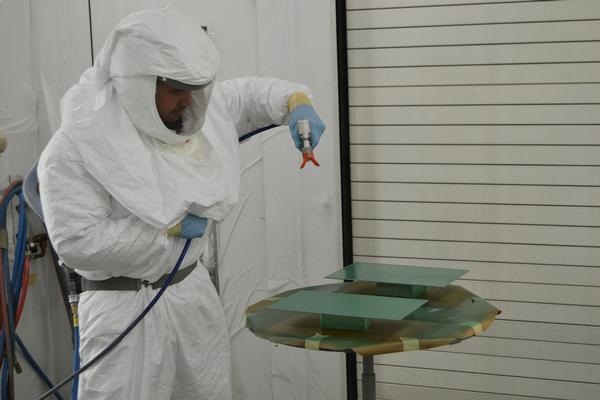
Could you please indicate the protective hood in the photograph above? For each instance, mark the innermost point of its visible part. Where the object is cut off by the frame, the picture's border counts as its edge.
(137, 97)
(150, 44)
(160, 43)
(157, 174)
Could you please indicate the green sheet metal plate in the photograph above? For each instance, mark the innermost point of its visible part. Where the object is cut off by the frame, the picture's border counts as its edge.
(348, 323)
(348, 305)
(398, 274)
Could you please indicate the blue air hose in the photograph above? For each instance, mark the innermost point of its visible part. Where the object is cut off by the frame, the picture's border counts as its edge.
(35, 366)
(20, 248)
(248, 135)
(4, 381)
(76, 362)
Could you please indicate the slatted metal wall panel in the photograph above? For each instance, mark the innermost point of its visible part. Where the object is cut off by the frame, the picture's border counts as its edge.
(475, 143)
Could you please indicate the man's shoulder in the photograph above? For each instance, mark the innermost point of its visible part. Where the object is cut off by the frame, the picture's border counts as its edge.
(60, 148)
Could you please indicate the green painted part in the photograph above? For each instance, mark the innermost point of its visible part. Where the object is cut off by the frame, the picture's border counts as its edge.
(448, 317)
(347, 323)
(349, 305)
(398, 274)
(395, 290)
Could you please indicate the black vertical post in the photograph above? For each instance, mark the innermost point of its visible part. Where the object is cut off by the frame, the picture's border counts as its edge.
(344, 121)
(351, 376)
(368, 379)
(91, 30)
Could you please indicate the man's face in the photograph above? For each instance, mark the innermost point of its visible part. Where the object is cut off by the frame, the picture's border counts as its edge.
(171, 103)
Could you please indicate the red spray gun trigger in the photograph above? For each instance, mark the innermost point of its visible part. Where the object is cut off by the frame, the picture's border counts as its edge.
(308, 156)
(305, 136)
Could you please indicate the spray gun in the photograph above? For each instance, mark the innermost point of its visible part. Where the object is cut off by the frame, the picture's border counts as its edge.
(305, 136)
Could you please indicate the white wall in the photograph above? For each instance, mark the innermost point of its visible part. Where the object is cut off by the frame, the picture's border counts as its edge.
(474, 144)
(285, 232)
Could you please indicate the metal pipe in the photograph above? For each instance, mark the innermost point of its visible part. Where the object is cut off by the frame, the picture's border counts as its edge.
(368, 379)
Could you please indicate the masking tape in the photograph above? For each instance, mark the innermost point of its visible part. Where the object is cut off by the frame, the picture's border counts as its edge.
(409, 344)
(297, 99)
(33, 279)
(314, 342)
(75, 314)
(3, 239)
(476, 326)
(3, 143)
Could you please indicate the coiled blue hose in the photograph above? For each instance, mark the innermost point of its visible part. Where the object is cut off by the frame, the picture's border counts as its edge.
(14, 288)
(35, 366)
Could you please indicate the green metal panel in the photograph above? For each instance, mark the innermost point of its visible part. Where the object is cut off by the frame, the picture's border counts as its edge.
(349, 305)
(398, 274)
(347, 323)
(395, 290)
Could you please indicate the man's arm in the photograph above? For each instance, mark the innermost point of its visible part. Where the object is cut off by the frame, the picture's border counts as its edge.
(256, 102)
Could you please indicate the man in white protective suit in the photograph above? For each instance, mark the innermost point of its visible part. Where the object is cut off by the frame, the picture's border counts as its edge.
(146, 157)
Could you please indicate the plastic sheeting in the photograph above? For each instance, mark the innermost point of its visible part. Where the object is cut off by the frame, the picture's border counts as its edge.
(23, 119)
(27, 45)
(263, 250)
(285, 232)
(17, 100)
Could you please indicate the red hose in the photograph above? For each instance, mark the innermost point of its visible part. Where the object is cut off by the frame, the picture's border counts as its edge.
(7, 338)
(24, 285)
(10, 187)
(2, 308)
(4, 311)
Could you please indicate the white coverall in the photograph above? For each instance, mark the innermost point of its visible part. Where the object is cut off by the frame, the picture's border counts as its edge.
(113, 179)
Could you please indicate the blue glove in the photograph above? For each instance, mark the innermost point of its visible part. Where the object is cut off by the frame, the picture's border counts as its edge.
(317, 127)
(190, 227)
